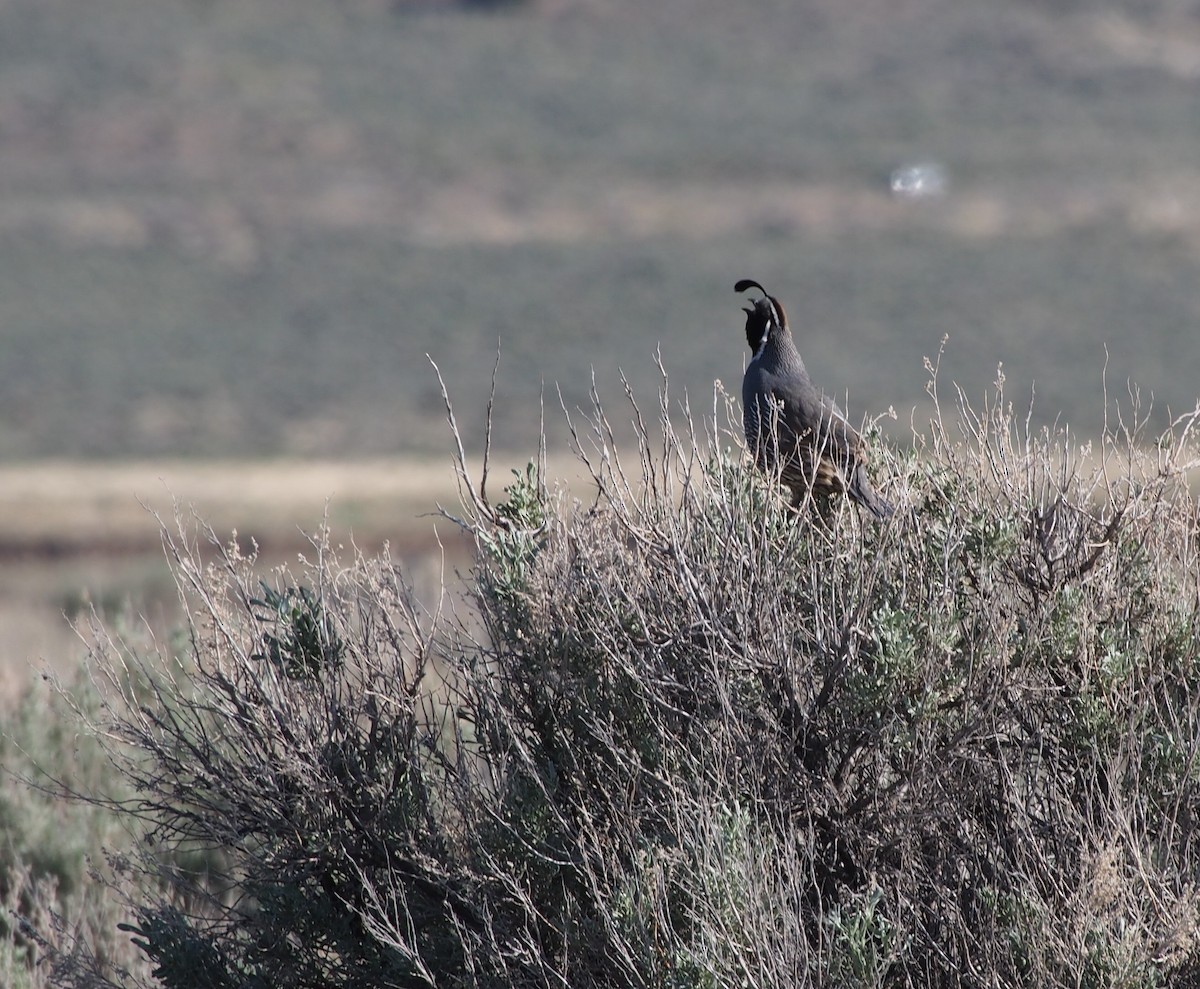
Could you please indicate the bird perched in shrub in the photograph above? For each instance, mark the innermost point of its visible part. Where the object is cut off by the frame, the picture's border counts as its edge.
(791, 425)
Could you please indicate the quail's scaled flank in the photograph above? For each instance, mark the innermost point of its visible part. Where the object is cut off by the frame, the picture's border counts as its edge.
(791, 425)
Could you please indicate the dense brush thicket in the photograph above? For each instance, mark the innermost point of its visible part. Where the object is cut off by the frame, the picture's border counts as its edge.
(683, 737)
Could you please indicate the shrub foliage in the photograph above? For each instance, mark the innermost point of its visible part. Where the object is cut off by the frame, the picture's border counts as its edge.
(680, 736)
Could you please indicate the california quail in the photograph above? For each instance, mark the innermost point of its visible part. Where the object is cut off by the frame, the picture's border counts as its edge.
(786, 415)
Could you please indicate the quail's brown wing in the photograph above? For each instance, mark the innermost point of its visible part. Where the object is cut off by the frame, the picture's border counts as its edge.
(847, 447)
(842, 449)
(813, 427)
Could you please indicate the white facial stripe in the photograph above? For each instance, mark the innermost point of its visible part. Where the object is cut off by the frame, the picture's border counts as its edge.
(762, 344)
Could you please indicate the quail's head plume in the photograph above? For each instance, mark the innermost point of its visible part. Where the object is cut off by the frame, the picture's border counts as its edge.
(792, 426)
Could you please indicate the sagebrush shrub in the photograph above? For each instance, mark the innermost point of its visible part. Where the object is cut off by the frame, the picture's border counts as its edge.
(677, 735)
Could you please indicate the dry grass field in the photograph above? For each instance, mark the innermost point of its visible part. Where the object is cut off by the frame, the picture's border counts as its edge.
(74, 534)
(236, 229)
(55, 508)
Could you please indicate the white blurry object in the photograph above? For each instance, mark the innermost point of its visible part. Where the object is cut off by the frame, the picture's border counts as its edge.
(923, 181)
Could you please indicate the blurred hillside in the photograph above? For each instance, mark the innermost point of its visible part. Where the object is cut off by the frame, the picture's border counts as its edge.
(235, 227)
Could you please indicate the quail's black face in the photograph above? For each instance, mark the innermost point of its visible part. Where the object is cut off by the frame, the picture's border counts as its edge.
(759, 325)
(765, 319)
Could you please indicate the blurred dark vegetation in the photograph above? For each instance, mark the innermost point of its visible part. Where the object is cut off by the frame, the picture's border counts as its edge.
(237, 226)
